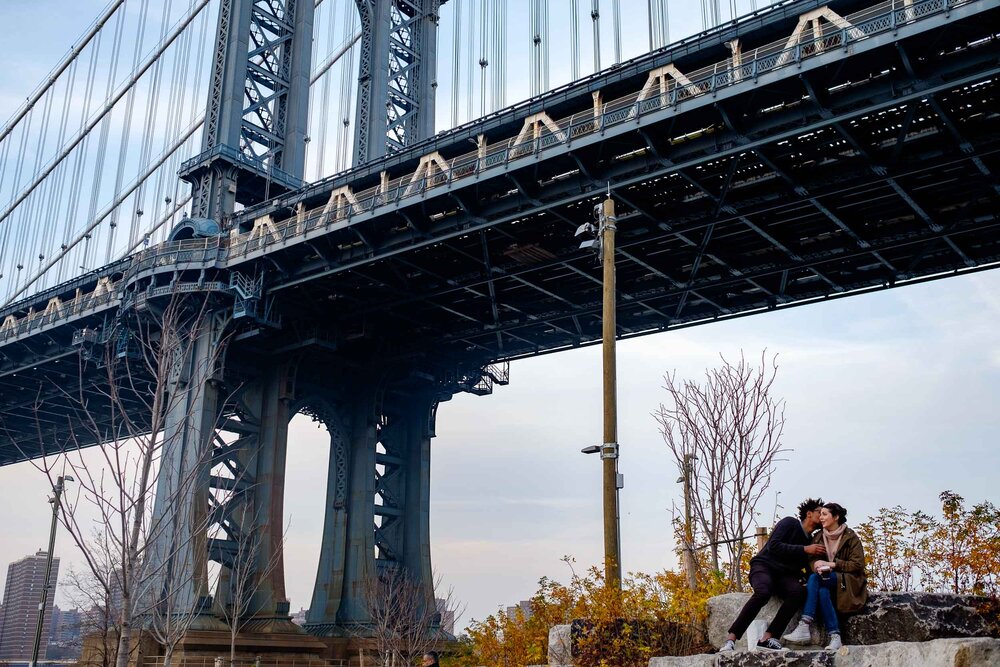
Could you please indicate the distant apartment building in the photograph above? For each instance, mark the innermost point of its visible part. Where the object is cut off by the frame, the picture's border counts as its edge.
(447, 615)
(21, 595)
(525, 608)
(65, 642)
(299, 617)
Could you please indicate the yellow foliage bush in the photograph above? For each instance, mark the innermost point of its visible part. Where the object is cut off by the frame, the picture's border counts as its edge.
(653, 614)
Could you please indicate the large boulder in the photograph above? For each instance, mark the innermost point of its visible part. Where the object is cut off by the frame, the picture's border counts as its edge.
(978, 652)
(631, 640)
(888, 617)
(723, 610)
(560, 645)
(920, 617)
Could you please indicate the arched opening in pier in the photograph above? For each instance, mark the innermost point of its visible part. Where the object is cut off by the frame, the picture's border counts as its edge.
(307, 462)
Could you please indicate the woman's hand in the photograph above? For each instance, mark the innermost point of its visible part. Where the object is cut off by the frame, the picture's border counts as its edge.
(822, 565)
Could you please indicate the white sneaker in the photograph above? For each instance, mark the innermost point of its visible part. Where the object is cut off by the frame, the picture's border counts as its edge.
(800, 635)
(835, 642)
(728, 647)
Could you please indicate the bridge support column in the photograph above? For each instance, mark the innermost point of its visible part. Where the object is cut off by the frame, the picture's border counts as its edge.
(176, 555)
(377, 503)
(248, 501)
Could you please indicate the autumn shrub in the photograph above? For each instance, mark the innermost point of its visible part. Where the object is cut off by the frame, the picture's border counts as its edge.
(653, 614)
(956, 553)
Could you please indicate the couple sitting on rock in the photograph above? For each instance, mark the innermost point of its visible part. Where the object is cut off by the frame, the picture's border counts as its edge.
(835, 559)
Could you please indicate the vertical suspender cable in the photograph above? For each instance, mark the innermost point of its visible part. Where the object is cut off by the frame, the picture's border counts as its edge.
(469, 79)
(533, 38)
(499, 55)
(616, 12)
(106, 130)
(347, 85)
(659, 24)
(324, 97)
(29, 214)
(574, 39)
(456, 65)
(651, 10)
(595, 17)
(483, 50)
(503, 53)
(545, 44)
(5, 243)
(59, 177)
(174, 106)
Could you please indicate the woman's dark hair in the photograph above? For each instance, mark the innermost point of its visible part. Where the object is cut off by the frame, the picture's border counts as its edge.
(809, 505)
(838, 511)
(433, 655)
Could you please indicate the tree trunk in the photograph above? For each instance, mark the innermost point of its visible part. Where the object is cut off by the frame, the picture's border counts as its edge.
(132, 556)
(125, 636)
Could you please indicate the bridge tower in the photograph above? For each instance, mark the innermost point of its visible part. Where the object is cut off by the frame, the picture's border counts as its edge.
(258, 97)
(397, 78)
(229, 430)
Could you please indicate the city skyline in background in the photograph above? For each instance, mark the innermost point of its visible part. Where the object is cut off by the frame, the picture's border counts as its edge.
(904, 378)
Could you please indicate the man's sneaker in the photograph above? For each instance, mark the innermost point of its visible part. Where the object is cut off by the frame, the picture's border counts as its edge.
(835, 642)
(728, 647)
(800, 635)
(771, 644)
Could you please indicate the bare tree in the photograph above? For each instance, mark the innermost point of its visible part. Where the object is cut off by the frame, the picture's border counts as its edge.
(135, 392)
(725, 433)
(405, 623)
(167, 608)
(240, 583)
(98, 615)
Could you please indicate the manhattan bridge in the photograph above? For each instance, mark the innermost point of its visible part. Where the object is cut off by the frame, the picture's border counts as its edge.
(804, 151)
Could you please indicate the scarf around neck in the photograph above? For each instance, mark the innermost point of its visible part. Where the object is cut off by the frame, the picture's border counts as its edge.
(831, 539)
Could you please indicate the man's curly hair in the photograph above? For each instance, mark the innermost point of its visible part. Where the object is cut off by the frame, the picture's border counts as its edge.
(809, 505)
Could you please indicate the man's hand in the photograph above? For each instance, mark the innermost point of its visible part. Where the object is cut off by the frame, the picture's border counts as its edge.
(815, 549)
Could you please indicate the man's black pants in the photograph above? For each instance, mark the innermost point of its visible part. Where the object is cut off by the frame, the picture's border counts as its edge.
(766, 583)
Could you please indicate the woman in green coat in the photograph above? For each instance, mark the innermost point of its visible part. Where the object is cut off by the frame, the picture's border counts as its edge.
(838, 581)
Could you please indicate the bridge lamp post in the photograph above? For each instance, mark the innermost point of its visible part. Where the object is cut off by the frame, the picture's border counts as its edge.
(56, 502)
(604, 243)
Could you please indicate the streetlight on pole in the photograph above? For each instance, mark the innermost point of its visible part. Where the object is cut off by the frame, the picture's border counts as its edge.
(56, 502)
(605, 245)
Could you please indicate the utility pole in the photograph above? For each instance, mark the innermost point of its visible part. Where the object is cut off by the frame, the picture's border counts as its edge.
(609, 451)
(56, 502)
(604, 213)
(688, 553)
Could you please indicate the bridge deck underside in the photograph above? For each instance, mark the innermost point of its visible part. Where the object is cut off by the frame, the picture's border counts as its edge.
(845, 178)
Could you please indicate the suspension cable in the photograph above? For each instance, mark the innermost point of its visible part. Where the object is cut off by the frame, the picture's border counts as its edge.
(107, 108)
(120, 199)
(61, 67)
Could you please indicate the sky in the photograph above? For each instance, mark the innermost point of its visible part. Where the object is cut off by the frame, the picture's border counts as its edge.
(891, 399)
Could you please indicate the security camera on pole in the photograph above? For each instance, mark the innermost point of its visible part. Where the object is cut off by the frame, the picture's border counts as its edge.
(604, 243)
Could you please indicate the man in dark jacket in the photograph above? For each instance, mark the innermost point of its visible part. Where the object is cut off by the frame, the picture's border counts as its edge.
(778, 570)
